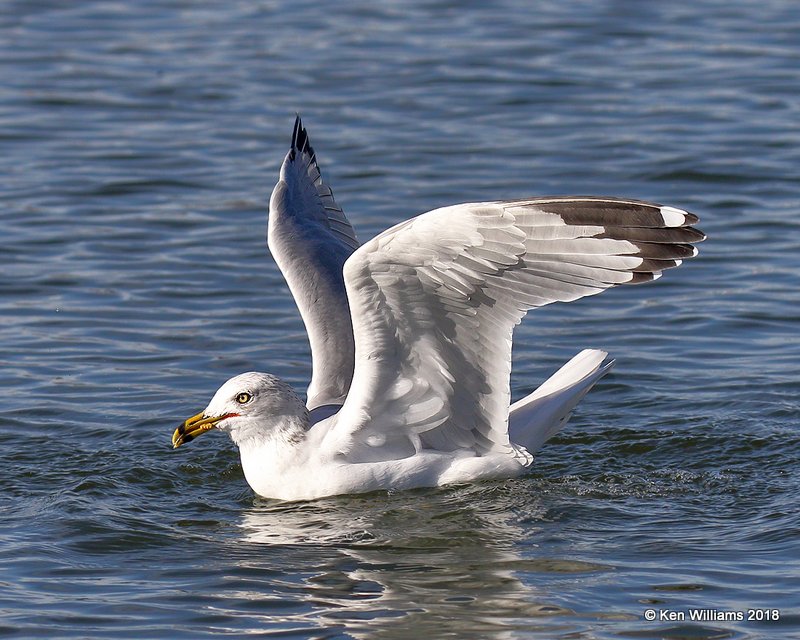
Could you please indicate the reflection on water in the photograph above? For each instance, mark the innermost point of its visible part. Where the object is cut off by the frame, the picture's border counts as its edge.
(403, 567)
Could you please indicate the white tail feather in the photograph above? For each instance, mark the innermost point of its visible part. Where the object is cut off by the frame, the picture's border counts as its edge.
(539, 416)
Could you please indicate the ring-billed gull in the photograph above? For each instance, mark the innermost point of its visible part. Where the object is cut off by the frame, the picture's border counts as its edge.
(411, 335)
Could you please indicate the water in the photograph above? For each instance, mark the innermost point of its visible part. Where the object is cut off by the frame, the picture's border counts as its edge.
(139, 144)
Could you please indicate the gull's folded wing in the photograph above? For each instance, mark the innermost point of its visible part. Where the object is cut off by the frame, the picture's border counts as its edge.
(310, 239)
(434, 301)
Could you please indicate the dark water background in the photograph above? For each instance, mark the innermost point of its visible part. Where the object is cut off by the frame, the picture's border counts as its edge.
(138, 144)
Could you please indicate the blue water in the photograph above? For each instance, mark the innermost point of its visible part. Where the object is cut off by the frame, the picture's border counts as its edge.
(139, 142)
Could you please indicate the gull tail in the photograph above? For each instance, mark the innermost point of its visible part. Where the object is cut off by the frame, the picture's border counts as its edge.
(542, 414)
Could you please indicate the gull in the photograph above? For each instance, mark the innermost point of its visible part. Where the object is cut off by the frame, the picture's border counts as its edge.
(411, 332)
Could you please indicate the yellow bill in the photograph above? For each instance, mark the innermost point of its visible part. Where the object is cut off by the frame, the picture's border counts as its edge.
(195, 426)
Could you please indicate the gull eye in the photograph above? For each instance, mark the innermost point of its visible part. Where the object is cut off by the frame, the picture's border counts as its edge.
(244, 398)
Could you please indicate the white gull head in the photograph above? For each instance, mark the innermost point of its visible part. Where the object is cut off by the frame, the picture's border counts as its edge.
(250, 407)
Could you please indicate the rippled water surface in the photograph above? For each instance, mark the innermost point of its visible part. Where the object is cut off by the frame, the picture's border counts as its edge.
(140, 141)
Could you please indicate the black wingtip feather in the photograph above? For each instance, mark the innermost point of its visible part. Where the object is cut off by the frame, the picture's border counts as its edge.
(658, 235)
(690, 218)
(300, 141)
(299, 135)
(298, 126)
(612, 212)
(642, 277)
(676, 251)
(650, 265)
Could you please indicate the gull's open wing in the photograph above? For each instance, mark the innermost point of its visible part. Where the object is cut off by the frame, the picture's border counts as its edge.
(434, 301)
(310, 239)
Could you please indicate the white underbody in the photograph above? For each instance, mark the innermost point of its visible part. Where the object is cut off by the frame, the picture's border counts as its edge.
(317, 478)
